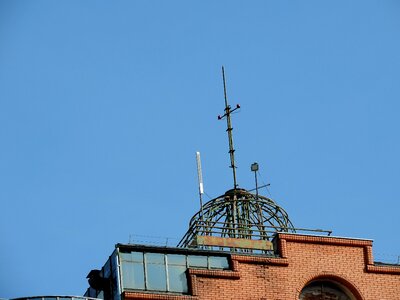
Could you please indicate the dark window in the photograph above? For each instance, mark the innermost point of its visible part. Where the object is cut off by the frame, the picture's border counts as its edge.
(324, 290)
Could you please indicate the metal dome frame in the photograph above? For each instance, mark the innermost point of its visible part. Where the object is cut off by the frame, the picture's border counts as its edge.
(238, 214)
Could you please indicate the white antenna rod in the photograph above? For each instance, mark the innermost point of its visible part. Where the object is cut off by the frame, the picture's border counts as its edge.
(199, 174)
(200, 178)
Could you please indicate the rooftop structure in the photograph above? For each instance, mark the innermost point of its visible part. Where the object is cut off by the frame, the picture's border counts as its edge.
(237, 220)
(242, 245)
(305, 267)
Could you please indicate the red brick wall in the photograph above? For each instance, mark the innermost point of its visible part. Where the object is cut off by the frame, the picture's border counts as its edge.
(302, 259)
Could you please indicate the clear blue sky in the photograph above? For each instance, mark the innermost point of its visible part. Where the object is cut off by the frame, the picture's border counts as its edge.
(103, 105)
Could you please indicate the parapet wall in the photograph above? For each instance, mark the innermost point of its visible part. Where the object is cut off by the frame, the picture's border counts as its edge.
(302, 259)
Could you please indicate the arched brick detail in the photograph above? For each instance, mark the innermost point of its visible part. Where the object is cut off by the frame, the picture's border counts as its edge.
(342, 280)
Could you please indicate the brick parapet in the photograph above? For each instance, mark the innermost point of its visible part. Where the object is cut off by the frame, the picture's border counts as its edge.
(370, 266)
(326, 240)
(369, 259)
(301, 259)
(282, 247)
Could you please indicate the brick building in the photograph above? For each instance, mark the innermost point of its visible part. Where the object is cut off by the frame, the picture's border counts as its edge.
(298, 266)
(302, 267)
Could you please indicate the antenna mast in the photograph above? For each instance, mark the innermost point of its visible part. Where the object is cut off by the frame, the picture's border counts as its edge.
(200, 179)
(227, 114)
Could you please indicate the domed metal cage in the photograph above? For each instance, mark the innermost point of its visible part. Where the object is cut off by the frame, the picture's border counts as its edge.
(237, 214)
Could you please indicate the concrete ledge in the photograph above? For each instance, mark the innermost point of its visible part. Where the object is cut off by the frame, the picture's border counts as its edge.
(141, 295)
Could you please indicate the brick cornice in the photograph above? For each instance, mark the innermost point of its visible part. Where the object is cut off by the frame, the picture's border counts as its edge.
(276, 261)
(326, 240)
(214, 273)
(383, 269)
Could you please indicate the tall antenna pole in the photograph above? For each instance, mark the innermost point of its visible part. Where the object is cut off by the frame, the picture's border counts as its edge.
(227, 114)
(200, 179)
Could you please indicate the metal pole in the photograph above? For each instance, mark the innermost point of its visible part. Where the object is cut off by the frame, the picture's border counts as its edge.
(229, 130)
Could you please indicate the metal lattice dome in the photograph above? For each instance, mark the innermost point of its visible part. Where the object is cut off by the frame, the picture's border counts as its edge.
(238, 214)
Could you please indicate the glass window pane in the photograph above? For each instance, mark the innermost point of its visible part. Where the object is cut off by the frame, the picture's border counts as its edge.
(177, 279)
(132, 256)
(125, 256)
(132, 275)
(100, 295)
(91, 292)
(197, 261)
(218, 262)
(156, 277)
(154, 258)
(176, 259)
(137, 256)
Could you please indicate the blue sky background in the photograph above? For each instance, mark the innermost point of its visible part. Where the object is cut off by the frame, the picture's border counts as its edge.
(103, 105)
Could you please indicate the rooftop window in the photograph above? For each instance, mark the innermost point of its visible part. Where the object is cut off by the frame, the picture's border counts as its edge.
(163, 272)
